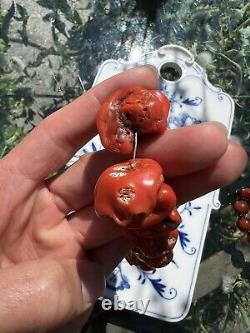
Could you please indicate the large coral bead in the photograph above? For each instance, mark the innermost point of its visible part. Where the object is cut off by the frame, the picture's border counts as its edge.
(130, 110)
(133, 194)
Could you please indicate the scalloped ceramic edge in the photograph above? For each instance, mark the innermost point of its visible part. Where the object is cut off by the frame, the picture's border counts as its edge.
(193, 100)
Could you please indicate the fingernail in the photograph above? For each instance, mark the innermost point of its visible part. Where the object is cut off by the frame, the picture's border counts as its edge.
(219, 125)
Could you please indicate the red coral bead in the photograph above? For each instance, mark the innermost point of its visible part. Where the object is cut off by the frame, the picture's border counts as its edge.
(174, 219)
(172, 237)
(128, 192)
(244, 194)
(241, 207)
(153, 232)
(146, 263)
(151, 247)
(160, 262)
(133, 259)
(130, 110)
(243, 224)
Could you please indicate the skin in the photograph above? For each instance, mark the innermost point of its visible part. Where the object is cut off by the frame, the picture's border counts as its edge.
(53, 266)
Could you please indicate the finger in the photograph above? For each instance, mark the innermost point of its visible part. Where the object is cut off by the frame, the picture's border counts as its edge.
(93, 231)
(52, 143)
(110, 254)
(181, 151)
(224, 172)
(188, 149)
(31, 292)
(74, 188)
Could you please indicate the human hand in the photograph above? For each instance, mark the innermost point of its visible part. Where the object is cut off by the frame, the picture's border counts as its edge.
(53, 266)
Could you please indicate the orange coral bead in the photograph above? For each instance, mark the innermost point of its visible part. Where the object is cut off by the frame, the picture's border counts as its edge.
(128, 194)
(130, 110)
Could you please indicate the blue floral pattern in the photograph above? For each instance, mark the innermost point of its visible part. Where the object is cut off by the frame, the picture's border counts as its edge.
(185, 241)
(159, 287)
(179, 116)
(117, 280)
(183, 119)
(93, 148)
(189, 208)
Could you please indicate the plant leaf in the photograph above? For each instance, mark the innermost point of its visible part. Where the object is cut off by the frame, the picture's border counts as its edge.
(4, 28)
(50, 4)
(24, 18)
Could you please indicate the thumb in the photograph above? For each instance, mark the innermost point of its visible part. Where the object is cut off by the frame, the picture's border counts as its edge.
(42, 295)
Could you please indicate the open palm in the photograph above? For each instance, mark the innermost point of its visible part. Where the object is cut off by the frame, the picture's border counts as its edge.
(54, 251)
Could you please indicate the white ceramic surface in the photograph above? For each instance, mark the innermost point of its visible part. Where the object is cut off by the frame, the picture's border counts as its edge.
(193, 100)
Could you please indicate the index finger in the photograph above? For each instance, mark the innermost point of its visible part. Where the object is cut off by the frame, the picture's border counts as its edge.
(55, 140)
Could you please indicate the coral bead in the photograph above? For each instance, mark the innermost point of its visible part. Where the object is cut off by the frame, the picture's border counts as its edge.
(243, 224)
(130, 110)
(128, 193)
(244, 194)
(133, 193)
(241, 207)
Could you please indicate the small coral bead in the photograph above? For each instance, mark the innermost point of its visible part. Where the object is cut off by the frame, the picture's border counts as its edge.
(243, 224)
(241, 207)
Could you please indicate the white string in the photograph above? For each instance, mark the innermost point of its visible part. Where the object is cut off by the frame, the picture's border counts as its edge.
(135, 146)
(81, 83)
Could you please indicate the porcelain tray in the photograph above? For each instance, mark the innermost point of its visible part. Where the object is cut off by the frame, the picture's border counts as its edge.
(193, 100)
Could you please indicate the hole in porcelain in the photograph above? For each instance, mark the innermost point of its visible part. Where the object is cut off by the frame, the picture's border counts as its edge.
(171, 71)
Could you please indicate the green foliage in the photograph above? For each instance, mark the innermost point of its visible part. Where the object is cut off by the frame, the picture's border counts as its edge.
(12, 94)
(10, 135)
(24, 19)
(5, 21)
(63, 7)
(216, 312)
